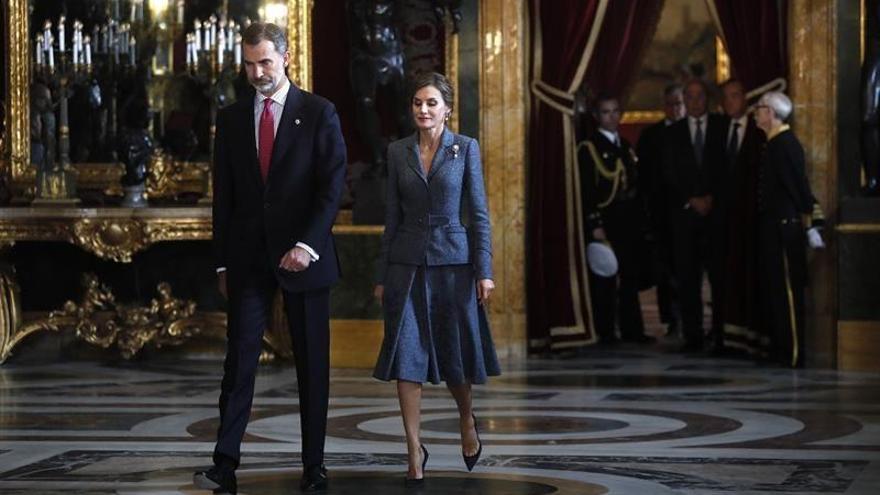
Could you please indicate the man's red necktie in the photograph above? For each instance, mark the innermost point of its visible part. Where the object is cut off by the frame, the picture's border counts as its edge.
(267, 137)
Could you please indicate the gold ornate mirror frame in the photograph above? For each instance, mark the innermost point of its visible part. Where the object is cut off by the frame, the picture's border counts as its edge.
(16, 165)
(16, 162)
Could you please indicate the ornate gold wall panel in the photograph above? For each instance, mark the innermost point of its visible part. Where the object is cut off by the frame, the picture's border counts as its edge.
(503, 116)
(18, 122)
(451, 70)
(813, 78)
(299, 36)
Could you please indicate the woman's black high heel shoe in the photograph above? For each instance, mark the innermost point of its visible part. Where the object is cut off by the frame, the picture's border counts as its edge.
(419, 481)
(471, 460)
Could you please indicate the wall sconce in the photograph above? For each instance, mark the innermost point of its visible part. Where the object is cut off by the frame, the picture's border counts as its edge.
(274, 12)
(158, 8)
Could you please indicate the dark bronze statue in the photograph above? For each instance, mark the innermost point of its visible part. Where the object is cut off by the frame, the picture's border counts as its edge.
(871, 99)
(377, 60)
(135, 147)
(43, 129)
(88, 122)
(454, 7)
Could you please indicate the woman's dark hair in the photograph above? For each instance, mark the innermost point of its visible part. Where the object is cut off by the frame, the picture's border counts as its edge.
(440, 82)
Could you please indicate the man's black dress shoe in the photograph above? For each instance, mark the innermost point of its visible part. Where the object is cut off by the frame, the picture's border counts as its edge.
(639, 339)
(217, 479)
(692, 346)
(314, 479)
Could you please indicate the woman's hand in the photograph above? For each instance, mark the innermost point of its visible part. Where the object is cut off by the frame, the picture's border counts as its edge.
(378, 293)
(484, 289)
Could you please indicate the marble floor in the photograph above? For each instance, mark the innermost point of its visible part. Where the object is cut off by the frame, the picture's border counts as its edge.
(627, 421)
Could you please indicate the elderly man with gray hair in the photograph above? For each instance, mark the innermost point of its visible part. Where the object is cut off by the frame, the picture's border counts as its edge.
(786, 210)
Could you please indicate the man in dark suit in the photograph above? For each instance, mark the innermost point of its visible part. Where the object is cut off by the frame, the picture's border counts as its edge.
(279, 162)
(613, 213)
(650, 152)
(693, 169)
(737, 223)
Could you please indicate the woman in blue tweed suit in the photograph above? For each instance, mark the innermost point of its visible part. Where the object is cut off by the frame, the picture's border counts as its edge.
(435, 271)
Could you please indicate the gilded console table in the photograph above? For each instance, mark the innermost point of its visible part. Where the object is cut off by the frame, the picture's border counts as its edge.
(114, 234)
(117, 234)
(110, 233)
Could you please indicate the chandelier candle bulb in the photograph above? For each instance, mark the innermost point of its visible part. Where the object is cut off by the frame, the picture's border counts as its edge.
(61, 33)
(237, 48)
(213, 33)
(47, 36)
(88, 51)
(197, 30)
(38, 49)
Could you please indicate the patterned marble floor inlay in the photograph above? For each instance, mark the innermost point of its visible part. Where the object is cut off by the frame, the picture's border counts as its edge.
(629, 422)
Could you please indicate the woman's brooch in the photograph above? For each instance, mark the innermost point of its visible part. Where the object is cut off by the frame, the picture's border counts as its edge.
(454, 151)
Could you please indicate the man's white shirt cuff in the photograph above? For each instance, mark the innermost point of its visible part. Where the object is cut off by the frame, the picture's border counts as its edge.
(309, 250)
(312, 254)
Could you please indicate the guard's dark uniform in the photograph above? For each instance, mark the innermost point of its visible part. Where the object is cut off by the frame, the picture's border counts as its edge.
(784, 200)
(609, 188)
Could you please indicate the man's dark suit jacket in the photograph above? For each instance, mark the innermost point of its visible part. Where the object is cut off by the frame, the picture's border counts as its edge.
(684, 177)
(650, 152)
(744, 166)
(299, 201)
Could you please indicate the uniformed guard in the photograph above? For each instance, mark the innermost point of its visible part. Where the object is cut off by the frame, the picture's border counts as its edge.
(613, 213)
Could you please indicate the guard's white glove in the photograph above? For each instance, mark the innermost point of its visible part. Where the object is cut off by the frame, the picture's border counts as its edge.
(814, 238)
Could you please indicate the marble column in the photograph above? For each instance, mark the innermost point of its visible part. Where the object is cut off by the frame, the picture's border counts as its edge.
(813, 43)
(503, 114)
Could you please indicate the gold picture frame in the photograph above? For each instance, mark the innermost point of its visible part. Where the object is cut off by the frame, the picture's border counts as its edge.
(722, 73)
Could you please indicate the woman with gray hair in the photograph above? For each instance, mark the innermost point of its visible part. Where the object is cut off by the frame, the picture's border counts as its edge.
(785, 207)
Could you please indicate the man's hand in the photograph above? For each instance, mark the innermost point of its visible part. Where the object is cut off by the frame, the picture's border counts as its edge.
(379, 293)
(295, 260)
(701, 204)
(221, 284)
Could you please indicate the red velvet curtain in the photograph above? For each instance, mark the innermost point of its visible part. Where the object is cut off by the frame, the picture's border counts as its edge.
(755, 33)
(627, 31)
(563, 28)
(558, 295)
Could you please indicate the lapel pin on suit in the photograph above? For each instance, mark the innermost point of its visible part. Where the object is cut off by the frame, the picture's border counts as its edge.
(297, 122)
